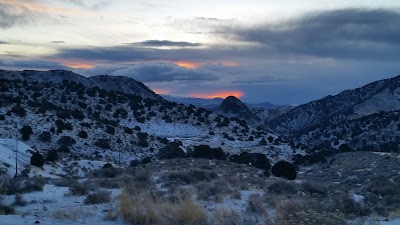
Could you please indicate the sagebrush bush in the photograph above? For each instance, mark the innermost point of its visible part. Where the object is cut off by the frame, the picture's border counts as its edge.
(24, 185)
(19, 201)
(78, 189)
(98, 197)
(6, 210)
(255, 204)
(302, 212)
(281, 187)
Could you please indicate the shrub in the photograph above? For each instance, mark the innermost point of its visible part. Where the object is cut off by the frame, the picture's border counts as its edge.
(66, 141)
(26, 132)
(63, 149)
(205, 151)
(18, 110)
(52, 155)
(145, 208)
(257, 160)
(282, 187)
(344, 148)
(98, 197)
(6, 210)
(45, 136)
(214, 191)
(82, 134)
(263, 142)
(102, 143)
(284, 169)
(128, 130)
(171, 151)
(19, 201)
(24, 185)
(78, 189)
(110, 130)
(191, 177)
(143, 140)
(37, 159)
(110, 172)
(255, 204)
(307, 212)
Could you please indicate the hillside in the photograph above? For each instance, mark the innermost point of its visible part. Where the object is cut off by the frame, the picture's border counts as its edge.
(93, 122)
(365, 118)
(104, 152)
(233, 107)
(348, 104)
(108, 83)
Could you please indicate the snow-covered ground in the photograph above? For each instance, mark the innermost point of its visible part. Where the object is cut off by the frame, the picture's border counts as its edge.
(55, 206)
(8, 155)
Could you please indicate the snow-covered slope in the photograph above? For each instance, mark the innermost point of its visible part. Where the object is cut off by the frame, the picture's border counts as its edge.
(378, 96)
(8, 155)
(109, 83)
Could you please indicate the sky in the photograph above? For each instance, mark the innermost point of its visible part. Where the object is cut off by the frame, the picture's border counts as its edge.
(283, 52)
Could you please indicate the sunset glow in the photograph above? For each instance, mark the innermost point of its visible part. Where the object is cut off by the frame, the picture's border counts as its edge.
(187, 64)
(219, 94)
(76, 64)
(161, 91)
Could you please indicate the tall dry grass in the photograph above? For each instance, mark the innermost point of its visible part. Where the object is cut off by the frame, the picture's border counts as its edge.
(144, 207)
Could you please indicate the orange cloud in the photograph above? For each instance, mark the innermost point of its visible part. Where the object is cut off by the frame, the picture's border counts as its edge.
(39, 7)
(76, 64)
(187, 64)
(194, 65)
(162, 91)
(219, 94)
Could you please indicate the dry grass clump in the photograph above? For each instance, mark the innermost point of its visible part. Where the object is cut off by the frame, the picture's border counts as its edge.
(23, 185)
(77, 188)
(226, 216)
(212, 191)
(98, 198)
(138, 206)
(223, 216)
(304, 212)
(255, 204)
(191, 176)
(282, 187)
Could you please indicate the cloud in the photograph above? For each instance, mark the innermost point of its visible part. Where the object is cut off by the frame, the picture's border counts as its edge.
(155, 72)
(30, 64)
(12, 15)
(4, 43)
(165, 43)
(58, 42)
(346, 33)
(89, 4)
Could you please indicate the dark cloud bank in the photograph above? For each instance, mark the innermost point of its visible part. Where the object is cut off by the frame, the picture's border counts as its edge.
(291, 62)
(347, 33)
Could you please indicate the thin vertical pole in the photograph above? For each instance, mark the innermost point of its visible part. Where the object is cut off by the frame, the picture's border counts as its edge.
(16, 156)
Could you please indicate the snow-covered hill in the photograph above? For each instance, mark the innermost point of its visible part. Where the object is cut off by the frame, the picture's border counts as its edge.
(10, 150)
(365, 118)
(66, 115)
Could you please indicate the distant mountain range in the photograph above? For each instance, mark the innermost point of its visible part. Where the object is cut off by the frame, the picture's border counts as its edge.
(366, 118)
(214, 103)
